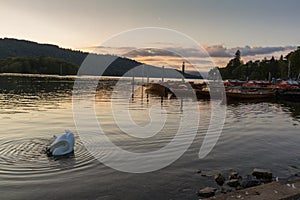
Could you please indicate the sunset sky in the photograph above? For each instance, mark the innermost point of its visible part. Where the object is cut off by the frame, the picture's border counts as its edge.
(259, 28)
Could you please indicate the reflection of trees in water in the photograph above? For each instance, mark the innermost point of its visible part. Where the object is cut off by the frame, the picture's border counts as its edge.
(35, 85)
(242, 109)
(293, 108)
(25, 93)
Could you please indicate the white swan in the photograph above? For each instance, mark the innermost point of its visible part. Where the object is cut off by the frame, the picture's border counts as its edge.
(62, 145)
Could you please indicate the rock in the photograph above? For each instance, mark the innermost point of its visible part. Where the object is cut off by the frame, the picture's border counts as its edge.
(219, 179)
(233, 175)
(264, 174)
(225, 190)
(233, 183)
(250, 183)
(207, 192)
(199, 171)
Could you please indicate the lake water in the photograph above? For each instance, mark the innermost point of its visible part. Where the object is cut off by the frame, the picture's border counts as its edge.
(34, 108)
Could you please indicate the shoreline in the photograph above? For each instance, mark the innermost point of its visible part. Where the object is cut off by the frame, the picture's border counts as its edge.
(260, 184)
(282, 190)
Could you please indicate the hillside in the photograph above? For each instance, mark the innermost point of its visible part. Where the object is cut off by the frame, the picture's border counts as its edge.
(21, 56)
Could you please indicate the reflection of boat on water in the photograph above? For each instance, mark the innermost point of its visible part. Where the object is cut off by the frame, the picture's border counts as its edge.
(289, 94)
(250, 94)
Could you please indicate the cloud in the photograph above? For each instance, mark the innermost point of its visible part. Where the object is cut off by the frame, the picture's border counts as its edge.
(253, 51)
(168, 52)
(109, 50)
(172, 55)
(149, 52)
(218, 51)
(213, 51)
(222, 51)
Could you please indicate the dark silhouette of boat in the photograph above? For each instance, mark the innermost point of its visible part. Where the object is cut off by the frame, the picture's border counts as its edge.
(249, 93)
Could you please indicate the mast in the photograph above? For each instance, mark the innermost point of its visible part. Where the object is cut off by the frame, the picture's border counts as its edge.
(182, 70)
(289, 69)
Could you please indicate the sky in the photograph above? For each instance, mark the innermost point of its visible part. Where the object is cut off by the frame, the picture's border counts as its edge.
(259, 28)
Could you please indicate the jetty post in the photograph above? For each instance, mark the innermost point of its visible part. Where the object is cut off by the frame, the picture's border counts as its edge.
(132, 85)
(142, 90)
(163, 74)
(148, 67)
(182, 70)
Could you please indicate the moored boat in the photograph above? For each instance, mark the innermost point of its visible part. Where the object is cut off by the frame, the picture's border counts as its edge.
(234, 93)
(289, 91)
(156, 88)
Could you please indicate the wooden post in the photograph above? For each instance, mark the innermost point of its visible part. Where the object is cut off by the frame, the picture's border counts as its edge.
(182, 70)
(132, 85)
(163, 74)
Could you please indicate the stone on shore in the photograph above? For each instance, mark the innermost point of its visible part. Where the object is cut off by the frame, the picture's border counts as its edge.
(250, 182)
(264, 174)
(207, 192)
(233, 175)
(233, 183)
(220, 179)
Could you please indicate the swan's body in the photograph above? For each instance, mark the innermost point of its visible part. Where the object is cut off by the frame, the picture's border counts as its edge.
(62, 145)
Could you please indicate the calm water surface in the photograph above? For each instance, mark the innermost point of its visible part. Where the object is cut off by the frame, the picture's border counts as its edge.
(33, 108)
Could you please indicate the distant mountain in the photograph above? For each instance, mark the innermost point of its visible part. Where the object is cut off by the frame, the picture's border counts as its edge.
(22, 56)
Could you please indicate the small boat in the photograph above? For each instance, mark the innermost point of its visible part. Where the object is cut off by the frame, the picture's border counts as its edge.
(210, 92)
(289, 84)
(288, 90)
(203, 93)
(234, 93)
(156, 89)
(62, 145)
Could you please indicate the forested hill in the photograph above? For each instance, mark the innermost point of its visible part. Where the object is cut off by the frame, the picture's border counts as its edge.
(22, 56)
(23, 48)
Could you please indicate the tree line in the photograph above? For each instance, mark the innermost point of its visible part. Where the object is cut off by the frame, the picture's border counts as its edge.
(39, 65)
(261, 69)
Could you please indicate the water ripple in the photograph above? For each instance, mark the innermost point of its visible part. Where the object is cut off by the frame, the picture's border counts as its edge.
(23, 157)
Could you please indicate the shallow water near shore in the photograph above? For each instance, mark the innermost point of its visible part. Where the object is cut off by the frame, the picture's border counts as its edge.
(33, 108)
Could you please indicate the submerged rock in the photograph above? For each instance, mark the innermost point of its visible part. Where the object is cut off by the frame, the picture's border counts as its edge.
(220, 179)
(207, 192)
(263, 174)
